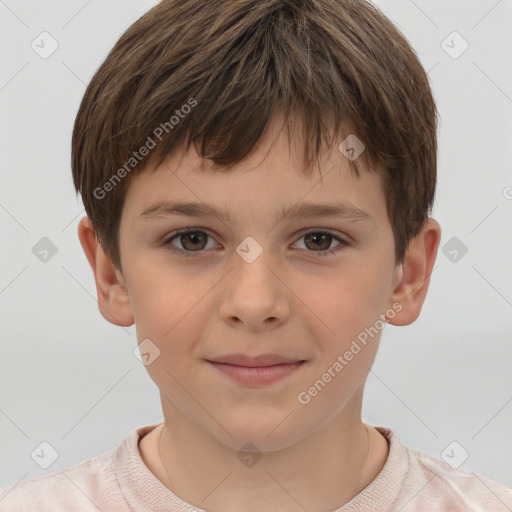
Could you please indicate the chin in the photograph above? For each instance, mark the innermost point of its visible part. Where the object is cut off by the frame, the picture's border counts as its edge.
(266, 432)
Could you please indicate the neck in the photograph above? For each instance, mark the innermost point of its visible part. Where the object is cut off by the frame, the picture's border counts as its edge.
(321, 472)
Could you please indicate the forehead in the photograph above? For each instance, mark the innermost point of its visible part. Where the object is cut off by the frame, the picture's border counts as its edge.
(269, 184)
(258, 197)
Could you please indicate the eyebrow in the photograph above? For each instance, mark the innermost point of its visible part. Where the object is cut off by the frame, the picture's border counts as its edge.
(299, 210)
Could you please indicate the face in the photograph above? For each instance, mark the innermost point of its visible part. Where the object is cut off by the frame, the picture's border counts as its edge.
(304, 288)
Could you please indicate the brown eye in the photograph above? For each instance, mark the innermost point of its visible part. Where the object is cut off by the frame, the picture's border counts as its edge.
(190, 241)
(193, 241)
(318, 241)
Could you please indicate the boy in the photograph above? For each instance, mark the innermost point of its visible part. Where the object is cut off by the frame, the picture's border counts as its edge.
(206, 123)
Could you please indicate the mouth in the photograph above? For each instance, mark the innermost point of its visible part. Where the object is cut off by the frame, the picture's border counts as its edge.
(256, 371)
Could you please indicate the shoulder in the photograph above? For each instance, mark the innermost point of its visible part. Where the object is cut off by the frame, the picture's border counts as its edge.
(81, 486)
(413, 481)
(433, 482)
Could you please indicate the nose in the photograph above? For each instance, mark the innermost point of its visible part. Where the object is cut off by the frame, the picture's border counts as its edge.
(254, 296)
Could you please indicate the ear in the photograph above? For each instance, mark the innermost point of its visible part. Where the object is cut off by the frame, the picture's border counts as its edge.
(413, 276)
(113, 298)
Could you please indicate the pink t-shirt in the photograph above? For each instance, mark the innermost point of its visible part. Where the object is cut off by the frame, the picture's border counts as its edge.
(119, 481)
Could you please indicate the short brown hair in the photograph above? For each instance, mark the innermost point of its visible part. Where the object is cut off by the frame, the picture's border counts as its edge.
(331, 64)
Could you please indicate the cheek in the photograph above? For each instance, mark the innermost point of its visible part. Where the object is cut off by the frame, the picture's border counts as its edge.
(350, 307)
(351, 302)
(170, 312)
(164, 297)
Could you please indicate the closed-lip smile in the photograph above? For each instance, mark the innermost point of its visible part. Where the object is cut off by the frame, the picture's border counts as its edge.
(261, 360)
(256, 371)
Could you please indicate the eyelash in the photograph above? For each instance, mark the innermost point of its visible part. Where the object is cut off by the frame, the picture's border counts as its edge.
(187, 254)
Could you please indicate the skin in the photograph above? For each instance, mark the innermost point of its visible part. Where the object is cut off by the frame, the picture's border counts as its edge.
(289, 301)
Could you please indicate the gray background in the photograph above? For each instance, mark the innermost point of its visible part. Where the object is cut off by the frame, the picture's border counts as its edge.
(70, 378)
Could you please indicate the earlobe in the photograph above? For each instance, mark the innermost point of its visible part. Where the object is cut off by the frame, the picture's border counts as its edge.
(414, 275)
(113, 297)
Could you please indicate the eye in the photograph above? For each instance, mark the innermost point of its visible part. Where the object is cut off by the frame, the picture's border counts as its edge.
(321, 240)
(194, 240)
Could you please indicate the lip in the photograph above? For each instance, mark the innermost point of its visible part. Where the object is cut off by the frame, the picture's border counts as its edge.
(256, 371)
(256, 361)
